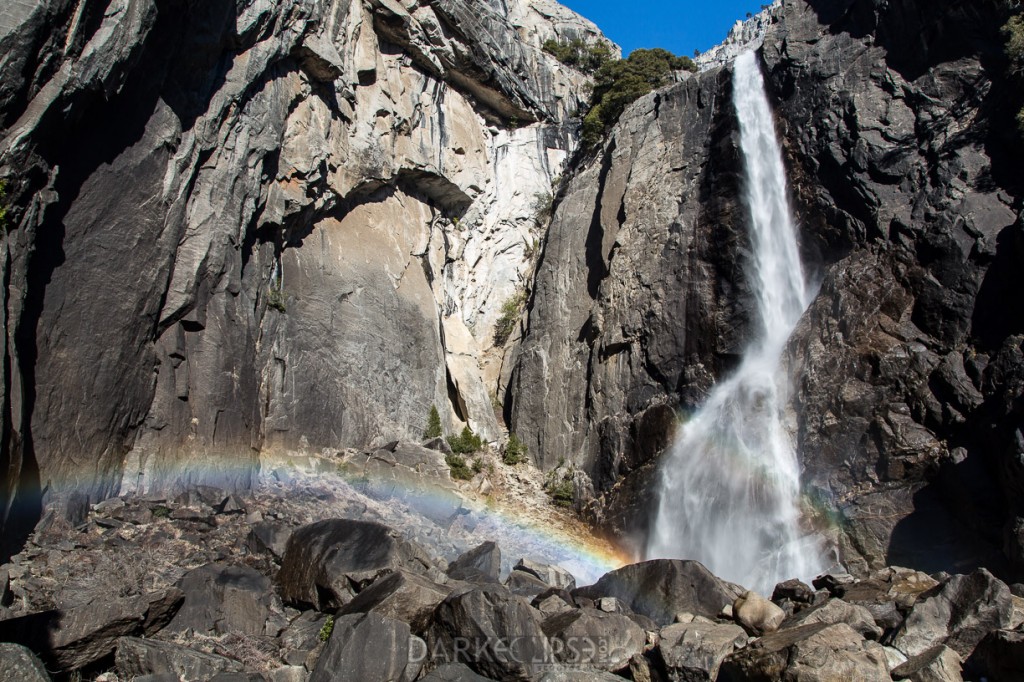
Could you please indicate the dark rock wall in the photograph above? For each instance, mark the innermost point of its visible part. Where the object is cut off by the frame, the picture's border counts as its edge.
(903, 163)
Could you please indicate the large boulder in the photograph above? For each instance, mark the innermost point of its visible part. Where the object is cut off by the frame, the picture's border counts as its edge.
(594, 639)
(525, 584)
(662, 588)
(694, 651)
(19, 664)
(402, 595)
(812, 652)
(453, 672)
(484, 560)
(326, 563)
(553, 576)
(757, 614)
(367, 647)
(136, 657)
(81, 635)
(220, 599)
(958, 613)
(491, 631)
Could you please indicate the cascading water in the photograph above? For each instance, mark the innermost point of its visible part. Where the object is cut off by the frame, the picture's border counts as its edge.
(730, 486)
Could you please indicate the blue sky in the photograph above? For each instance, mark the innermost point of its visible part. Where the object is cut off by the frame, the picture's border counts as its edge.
(676, 25)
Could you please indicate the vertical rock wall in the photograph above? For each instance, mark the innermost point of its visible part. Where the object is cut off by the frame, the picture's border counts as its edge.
(248, 225)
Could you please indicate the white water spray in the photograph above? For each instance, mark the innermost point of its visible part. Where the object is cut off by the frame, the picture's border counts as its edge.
(731, 484)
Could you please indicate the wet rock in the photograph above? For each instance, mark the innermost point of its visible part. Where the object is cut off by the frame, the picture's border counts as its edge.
(594, 639)
(694, 651)
(756, 614)
(401, 595)
(818, 651)
(326, 563)
(491, 631)
(662, 588)
(19, 664)
(484, 560)
(958, 613)
(366, 647)
(221, 599)
(938, 664)
(137, 657)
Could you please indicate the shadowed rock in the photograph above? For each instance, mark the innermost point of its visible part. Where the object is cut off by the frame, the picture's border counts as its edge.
(494, 633)
(662, 588)
(326, 563)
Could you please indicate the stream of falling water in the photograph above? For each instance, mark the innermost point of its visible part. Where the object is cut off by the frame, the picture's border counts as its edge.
(729, 491)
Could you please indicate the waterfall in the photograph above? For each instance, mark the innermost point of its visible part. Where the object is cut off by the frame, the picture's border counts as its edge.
(729, 490)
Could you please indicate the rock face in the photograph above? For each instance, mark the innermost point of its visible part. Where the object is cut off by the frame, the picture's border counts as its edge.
(242, 227)
(902, 164)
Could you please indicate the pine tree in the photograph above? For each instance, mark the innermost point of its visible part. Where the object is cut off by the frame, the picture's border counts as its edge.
(433, 424)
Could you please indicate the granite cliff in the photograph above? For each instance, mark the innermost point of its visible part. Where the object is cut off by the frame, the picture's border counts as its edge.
(906, 407)
(246, 227)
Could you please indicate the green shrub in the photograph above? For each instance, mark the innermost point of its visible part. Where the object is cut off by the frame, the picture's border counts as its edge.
(276, 299)
(577, 53)
(515, 451)
(617, 84)
(466, 443)
(457, 464)
(433, 429)
(562, 493)
(326, 629)
(510, 312)
(478, 465)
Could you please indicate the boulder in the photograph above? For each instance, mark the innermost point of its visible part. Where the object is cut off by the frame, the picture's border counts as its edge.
(453, 672)
(594, 639)
(402, 595)
(268, 537)
(838, 611)
(482, 560)
(302, 635)
(661, 588)
(999, 656)
(136, 657)
(694, 651)
(793, 590)
(525, 584)
(574, 675)
(757, 614)
(554, 576)
(220, 599)
(551, 604)
(326, 563)
(813, 652)
(491, 631)
(19, 664)
(938, 664)
(367, 647)
(958, 613)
